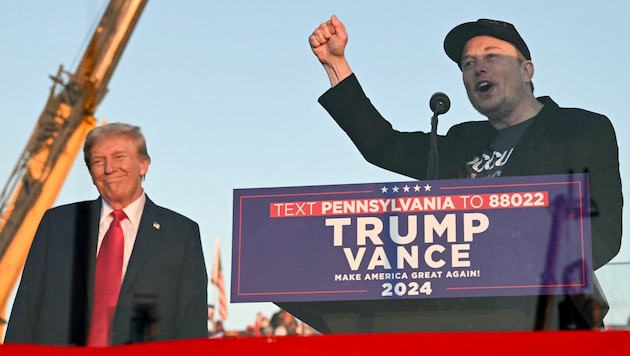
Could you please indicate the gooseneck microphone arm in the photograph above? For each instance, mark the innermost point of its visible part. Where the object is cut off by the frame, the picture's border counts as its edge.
(439, 104)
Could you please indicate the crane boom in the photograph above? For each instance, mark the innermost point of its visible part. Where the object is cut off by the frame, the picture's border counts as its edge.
(57, 138)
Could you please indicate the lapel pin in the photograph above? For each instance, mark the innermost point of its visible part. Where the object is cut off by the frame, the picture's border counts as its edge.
(156, 226)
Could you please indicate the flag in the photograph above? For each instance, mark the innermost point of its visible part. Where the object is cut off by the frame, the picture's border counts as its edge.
(217, 279)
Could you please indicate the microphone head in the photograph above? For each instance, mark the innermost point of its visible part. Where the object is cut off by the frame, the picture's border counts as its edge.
(439, 103)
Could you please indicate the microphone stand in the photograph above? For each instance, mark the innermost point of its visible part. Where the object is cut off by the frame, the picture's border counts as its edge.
(432, 169)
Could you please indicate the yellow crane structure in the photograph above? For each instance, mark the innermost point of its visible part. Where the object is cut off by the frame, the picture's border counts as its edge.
(56, 140)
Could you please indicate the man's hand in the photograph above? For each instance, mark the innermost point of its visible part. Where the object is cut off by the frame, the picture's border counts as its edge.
(329, 40)
(328, 43)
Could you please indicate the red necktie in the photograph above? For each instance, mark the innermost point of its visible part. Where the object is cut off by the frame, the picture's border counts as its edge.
(107, 282)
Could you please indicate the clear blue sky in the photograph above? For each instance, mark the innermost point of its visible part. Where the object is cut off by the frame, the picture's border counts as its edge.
(226, 91)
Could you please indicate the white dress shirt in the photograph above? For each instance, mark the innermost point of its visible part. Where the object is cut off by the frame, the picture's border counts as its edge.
(129, 226)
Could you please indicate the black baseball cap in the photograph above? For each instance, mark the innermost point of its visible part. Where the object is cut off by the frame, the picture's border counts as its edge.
(456, 39)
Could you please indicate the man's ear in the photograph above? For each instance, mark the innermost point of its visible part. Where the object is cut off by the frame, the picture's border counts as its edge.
(528, 71)
(144, 166)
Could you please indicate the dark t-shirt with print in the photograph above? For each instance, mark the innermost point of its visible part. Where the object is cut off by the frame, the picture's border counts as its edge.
(490, 162)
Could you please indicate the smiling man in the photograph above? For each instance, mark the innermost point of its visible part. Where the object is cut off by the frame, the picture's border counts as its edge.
(524, 135)
(115, 270)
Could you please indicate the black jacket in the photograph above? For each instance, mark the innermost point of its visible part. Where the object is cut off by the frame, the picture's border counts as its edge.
(558, 141)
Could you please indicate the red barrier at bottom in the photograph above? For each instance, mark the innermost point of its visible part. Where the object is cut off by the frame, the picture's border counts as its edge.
(471, 343)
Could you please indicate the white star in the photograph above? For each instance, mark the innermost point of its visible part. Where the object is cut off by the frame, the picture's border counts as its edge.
(416, 188)
(384, 189)
(395, 189)
(406, 189)
(427, 188)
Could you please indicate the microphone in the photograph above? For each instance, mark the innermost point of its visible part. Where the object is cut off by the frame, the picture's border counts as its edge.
(439, 103)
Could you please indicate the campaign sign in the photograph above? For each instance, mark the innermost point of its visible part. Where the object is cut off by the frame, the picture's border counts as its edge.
(419, 239)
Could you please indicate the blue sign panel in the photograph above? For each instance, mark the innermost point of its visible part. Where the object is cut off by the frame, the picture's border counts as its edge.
(418, 239)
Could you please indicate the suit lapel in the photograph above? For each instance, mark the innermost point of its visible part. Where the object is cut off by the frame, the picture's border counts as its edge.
(146, 240)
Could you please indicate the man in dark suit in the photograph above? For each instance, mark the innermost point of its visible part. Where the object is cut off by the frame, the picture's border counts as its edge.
(161, 274)
(523, 135)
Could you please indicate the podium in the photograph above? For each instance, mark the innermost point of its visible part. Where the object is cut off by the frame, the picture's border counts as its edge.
(444, 255)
